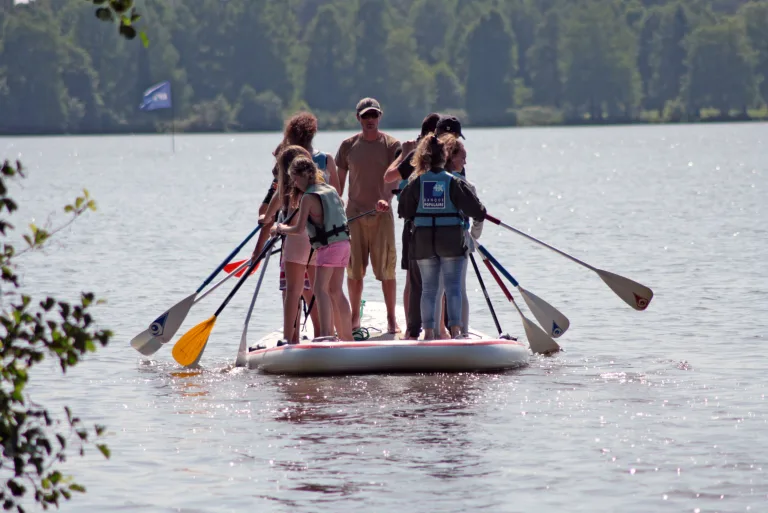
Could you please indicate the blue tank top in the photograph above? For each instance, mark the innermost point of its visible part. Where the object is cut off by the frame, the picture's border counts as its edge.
(321, 161)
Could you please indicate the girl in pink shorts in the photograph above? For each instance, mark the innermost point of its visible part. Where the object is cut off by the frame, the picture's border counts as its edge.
(321, 213)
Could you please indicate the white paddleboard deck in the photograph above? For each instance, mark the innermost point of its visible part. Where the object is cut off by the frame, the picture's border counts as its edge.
(385, 352)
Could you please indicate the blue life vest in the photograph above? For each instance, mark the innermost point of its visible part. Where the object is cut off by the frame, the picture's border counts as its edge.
(462, 177)
(435, 205)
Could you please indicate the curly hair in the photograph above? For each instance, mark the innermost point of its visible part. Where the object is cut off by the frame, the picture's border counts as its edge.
(284, 185)
(300, 129)
(429, 154)
(452, 146)
(304, 166)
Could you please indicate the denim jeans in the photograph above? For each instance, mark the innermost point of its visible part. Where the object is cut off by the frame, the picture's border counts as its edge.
(451, 269)
(464, 302)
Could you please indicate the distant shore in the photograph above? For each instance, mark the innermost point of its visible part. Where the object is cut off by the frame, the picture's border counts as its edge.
(127, 130)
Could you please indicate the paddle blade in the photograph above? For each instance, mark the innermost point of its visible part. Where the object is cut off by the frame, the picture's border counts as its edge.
(234, 265)
(636, 295)
(191, 345)
(540, 342)
(166, 326)
(550, 318)
(145, 343)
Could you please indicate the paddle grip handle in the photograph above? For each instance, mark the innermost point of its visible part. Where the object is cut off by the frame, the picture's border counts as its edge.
(229, 258)
(498, 266)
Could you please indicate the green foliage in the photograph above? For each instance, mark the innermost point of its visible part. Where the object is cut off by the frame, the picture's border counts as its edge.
(755, 17)
(720, 73)
(602, 60)
(259, 111)
(33, 440)
(490, 90)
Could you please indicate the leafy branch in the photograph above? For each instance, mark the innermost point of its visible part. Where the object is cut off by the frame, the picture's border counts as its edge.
(121, 11)
(31, 441)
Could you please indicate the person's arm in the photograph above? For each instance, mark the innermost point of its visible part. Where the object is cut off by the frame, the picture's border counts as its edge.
(333, 176)
(466, 200)
(342, 167)
(409, 200)
(395, 170)
(299, 223)
(272, 208)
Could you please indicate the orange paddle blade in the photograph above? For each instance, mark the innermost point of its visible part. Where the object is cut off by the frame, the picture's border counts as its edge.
(191, 345)
(234, 265)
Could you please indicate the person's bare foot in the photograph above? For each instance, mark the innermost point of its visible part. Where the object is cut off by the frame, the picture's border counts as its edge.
(392, 326)
(444, 335)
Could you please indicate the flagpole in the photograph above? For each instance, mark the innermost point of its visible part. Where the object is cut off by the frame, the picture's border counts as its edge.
(173, 126)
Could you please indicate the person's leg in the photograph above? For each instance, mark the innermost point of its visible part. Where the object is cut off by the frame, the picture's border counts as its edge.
(464, 301)
(342, 312)
(294, 277)
(307, 293)
(451, 269)
(430, 278)
(440, 314)
(384, 263)
(414, 301)
(323, 300)
(358, 262)
(404, 265)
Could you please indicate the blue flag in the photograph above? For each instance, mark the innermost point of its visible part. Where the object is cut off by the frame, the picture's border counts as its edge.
(157, 97)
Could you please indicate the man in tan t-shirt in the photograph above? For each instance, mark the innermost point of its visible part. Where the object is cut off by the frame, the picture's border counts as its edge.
(365, 157)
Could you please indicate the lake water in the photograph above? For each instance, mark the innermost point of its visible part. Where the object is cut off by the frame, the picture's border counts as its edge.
(662, 410)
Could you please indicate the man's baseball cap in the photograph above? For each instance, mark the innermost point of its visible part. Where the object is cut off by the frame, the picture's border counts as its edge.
(449, 125)
(367, 105)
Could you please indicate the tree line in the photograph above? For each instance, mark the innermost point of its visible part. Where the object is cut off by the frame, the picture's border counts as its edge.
(245, 64)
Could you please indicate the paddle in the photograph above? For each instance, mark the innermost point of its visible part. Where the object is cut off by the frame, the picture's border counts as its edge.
(636, 295)
(242, 351)
(538, 340)
(189, 348)
(548, 316)
(487, 298)
(147, 344)
(167, 324)
(232, 266)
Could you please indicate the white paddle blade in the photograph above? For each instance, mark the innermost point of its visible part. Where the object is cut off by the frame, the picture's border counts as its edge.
(145, 343)
(166, 326)
(242, 353)
(636, 295)
(550, 318)
(540, 342)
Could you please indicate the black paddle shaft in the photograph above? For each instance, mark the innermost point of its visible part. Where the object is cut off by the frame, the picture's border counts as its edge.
(267, 248)
(485, 293)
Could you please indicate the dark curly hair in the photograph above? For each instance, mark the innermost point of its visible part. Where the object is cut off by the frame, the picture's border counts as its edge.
(300, 129)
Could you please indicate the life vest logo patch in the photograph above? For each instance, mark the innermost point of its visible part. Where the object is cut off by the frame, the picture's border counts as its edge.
(433, 195)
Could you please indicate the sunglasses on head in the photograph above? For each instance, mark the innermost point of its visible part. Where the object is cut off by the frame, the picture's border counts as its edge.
(371, 114)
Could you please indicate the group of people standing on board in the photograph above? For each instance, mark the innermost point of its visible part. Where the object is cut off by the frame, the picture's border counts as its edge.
(324, 236)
